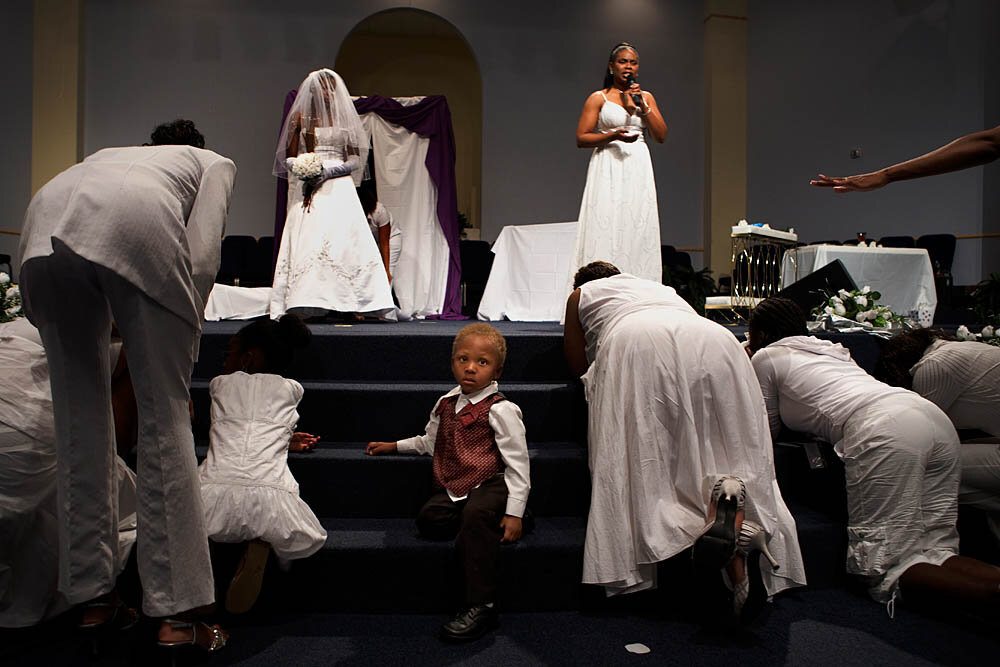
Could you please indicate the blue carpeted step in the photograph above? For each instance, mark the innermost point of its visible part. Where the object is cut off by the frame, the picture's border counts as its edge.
(351, 411)
(339, 479)
(379, 382)
(383, 565)
(403, 352)
(823, 541)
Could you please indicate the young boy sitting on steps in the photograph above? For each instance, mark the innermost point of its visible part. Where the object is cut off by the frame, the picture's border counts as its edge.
(481, 473)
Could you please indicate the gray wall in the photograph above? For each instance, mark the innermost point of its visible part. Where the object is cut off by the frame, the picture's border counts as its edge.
(991, 172)
(896, 78)
(229, 64)
(15, 118)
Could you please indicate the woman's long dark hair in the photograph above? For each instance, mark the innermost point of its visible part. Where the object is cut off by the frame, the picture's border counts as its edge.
(609, 78)
(901, 353)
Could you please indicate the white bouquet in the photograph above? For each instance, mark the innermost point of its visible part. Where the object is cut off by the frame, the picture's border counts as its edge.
(306, 166)
(860, 306)
(10, 299)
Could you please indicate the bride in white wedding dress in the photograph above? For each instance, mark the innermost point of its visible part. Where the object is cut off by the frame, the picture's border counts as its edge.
(328, 261)
(619, 221)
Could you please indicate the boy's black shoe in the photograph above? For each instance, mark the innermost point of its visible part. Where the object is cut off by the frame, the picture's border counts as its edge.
(470, 624)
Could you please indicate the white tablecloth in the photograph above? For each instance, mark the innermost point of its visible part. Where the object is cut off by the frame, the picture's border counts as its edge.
(903, 275)
(529, 279)
(226, 302)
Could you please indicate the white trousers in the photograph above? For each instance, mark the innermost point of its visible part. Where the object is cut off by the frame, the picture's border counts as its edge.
(73, 301)
(901, 463)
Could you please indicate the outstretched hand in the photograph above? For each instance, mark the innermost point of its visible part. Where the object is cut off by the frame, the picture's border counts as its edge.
(377, 448)
(856, 183)
(511, 529)
(302, 442)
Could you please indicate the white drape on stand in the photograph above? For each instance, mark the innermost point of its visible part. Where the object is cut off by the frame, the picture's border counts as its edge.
(406, 189)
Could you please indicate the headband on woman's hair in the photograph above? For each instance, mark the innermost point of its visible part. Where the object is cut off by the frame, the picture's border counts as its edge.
(621, 46)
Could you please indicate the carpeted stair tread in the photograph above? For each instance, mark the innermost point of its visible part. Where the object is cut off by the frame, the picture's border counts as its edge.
(389, 411)
(437, 388)
(383, 565)
(558, 533)
(412, 351)
(339, 479)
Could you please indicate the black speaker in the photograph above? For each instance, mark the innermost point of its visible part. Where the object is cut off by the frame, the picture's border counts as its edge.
(814, 289)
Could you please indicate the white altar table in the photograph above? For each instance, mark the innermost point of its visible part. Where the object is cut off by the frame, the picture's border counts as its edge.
(903, 276)
(529, 281)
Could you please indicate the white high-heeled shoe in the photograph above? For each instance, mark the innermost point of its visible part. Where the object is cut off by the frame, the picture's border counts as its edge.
(752, 538)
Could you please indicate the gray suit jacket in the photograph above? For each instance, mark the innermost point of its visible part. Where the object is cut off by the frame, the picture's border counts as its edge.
(152, 214)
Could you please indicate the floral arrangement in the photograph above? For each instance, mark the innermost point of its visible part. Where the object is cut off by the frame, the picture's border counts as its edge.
(10, 299)
(989, 335)
(860, 306)
(306, 166)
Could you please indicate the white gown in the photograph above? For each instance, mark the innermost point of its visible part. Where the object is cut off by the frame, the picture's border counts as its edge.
(328, 260)
(247, 489)
(619, 220)
(674, 405)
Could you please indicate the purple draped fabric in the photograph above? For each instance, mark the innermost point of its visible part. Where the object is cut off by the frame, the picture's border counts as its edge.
(429, 118)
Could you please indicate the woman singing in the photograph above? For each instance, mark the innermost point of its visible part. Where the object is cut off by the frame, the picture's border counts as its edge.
(619, 221)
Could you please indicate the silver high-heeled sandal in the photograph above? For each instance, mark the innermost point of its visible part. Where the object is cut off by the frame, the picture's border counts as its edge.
(752, 538)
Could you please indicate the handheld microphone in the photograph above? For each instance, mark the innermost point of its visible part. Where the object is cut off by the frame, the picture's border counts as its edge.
(636, 97)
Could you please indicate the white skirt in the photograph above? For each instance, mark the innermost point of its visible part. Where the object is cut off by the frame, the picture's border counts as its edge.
(328, 260)
(239, 513)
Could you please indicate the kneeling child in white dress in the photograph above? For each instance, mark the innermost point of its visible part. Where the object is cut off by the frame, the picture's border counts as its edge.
(248, 491)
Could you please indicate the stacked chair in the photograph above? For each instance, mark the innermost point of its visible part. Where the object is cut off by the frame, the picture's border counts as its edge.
(246, 261)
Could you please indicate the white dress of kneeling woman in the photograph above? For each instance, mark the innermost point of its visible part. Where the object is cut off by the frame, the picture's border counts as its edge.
(327, 260)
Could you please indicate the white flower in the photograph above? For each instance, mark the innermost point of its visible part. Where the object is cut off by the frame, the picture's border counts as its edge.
(307, 165)
(962, 333)
(13, 310)
(843, 294)
(866, 289)
(836, 300)
(12, 292)
(866, 315)
(839, 309)
(862, 301)
(988, 332)
(4, 278)
(828, 310)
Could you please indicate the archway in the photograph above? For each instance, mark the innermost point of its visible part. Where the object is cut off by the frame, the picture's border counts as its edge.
(403, 52)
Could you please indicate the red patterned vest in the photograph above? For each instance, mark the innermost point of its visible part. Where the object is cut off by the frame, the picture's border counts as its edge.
(465, 452)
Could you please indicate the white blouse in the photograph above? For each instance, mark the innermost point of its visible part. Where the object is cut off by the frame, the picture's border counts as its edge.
(963, 379)
(813, 385)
